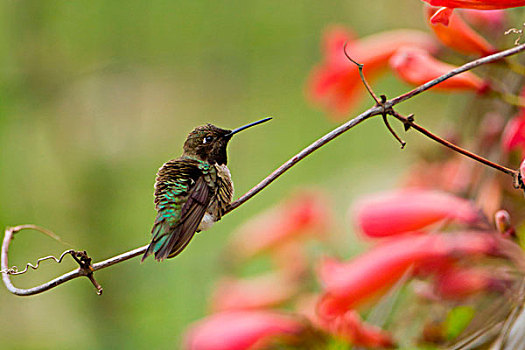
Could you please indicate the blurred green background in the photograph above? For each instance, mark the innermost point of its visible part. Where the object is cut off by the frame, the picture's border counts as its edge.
(96, 95)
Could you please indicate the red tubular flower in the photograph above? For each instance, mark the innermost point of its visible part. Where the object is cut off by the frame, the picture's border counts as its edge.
(513, 136)
(393, 213)
(458, 35)
(351, 328)
(349, 285)
(305, 214)
(259, 292)
(489, 19)
(477, 4)
(240, 330)
(415, 66)
(335, 84)
(459, 283)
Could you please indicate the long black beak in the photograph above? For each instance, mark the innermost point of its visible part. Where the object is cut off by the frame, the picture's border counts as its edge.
(231, 133)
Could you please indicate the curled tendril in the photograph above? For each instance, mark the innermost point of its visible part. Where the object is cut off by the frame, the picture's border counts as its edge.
(14, 269)
(515, 31)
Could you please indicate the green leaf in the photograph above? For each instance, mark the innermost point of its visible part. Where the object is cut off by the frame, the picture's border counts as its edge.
(338, 344)
(457, 320)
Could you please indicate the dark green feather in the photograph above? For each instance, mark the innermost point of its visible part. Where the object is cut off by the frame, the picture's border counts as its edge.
(182, 194)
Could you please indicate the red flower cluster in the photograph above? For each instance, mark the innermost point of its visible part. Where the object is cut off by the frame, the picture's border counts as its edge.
(244, 309)
(243, 318)
(336, 86)
(458, 35)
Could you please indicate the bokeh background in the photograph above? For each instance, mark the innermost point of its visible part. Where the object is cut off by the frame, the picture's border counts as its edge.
(96, 95)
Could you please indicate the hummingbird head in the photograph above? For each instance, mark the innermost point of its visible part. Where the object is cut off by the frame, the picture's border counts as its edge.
(208, 142)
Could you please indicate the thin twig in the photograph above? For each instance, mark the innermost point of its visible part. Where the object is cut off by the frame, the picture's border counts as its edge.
(392, 131)
(410, 121)
(376, 110)
(361, 74)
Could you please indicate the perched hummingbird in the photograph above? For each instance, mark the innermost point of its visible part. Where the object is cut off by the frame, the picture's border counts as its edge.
(192, 191)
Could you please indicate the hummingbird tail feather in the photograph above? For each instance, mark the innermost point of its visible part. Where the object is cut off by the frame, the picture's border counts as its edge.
(155, 246)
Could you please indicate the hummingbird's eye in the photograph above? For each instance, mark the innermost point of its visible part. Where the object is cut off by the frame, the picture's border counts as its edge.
(207, 139)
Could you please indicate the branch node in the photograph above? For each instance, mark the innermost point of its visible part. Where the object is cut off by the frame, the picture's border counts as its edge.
(409, 120)
(518, 181)
(84, 261)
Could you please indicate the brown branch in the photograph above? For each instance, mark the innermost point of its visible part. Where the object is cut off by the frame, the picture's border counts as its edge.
(468, 66)
(376, 110)
(81, 257)
(409, 121)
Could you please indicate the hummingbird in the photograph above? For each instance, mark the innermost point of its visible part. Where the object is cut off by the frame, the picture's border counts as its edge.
(193, 191)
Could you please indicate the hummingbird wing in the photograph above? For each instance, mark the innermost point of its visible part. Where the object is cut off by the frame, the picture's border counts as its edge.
(182, 196)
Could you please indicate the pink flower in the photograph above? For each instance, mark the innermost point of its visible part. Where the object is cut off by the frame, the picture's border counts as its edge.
(415, 66)
(240, 330)
(393, 213)
(349, 285)
(264, 291)
(513, 136)
(305, 214)
(488, 19)
(458, 35)
(335, 83)
(459, 283)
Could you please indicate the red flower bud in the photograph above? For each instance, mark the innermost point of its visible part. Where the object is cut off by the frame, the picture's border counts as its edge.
(241, 330)
(415, 66)
(502, 220)
(458, 35)
(392, 213)
(513, 136)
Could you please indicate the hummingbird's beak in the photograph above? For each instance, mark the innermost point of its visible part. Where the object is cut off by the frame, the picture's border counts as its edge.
(231, 133)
